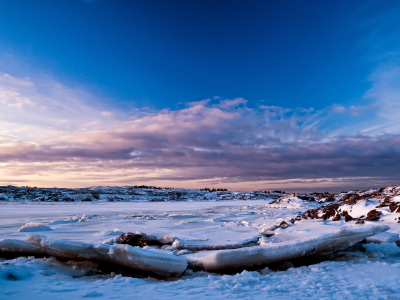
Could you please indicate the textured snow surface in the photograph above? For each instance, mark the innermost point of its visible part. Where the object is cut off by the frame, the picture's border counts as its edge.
(355, 275)
(306, 238)
(384, 237)
(192, 225)
(157, 261)
(32, 227)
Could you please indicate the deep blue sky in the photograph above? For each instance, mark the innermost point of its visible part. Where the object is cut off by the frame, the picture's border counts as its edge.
(160, 53)
(96, 92)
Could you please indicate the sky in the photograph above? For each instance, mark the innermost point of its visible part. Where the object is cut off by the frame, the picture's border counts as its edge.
(245, 95)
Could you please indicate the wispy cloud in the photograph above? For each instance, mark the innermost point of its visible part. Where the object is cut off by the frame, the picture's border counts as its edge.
(67, 137)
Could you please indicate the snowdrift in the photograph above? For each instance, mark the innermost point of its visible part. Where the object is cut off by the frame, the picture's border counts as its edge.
(299, 240)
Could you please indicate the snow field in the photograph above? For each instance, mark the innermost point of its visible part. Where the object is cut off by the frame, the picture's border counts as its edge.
(89, 230)
(355, 275)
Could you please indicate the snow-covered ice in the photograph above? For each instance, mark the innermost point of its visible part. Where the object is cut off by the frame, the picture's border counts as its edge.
(204, 231)
(303, 239)
(31, 227)
(354, 275)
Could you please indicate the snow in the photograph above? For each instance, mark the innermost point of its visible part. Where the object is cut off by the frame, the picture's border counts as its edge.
(354, 275)
(383, 237)
(19, 247)
(31, 227)
(212, 231)
(384, 248)
(70, 249)
(300, 241)
(156, 261)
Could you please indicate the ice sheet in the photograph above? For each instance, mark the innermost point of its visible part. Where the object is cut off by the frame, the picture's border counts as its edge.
(300, 240)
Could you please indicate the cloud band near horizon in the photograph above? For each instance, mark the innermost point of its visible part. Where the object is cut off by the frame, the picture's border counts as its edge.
(52, 135)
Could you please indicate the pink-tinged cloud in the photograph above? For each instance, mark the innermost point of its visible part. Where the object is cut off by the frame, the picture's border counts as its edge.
(61, 136)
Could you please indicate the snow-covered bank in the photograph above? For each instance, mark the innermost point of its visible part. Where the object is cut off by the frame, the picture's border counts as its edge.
(126, 194)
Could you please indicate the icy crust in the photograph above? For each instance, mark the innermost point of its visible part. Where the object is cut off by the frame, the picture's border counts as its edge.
(384, 237)
(303, 238)
(150, 260)
(300, 241)
(64, 249)
(353, 275)
(19, 247)
(198, 244)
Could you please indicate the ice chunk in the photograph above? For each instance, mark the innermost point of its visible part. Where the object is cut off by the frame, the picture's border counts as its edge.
(32, 227)
(151, 260)
(386, 248)
(70, 249)
(384, 237)
(157, 261)
(300, 241)
(19, 247)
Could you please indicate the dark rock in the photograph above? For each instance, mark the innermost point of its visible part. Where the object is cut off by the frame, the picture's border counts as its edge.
(392, 207)
(330, 207)
(385, 202)
(350, 199)
(284, 225)
(373, 215)
(344, 213)
(315, 216)
(133, 239)
(269, 234)
(360, 221)
(306, 197)
(336, 217)
(348, 218)
(330, 199)
(330, 210)
(378, 193)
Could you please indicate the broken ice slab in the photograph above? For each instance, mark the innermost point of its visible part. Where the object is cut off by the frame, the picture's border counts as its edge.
(63, 248)
(301, 240)
(384, 237)
(19, 247)
(150, 260)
